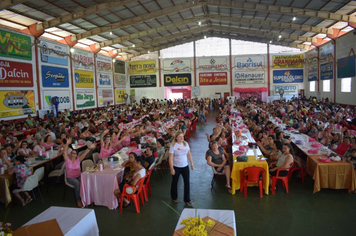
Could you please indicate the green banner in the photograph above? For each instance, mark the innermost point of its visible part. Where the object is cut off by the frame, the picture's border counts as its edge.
(15, 45)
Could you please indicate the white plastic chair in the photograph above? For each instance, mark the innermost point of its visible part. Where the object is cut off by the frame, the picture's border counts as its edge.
(30, 183)
(40, 174)
(66, 184)
(57, 173)
(96, 157)
(87, 163)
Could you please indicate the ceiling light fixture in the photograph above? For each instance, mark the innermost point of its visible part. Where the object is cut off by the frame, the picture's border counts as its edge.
(133, 45)
(199, 23)
(113, 60)
(280, 36)
(270, 41)
(72, 50)
(205, 36)
(148, 51)
(294, 18)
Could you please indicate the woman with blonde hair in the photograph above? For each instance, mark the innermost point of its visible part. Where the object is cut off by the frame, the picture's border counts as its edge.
(179, 154)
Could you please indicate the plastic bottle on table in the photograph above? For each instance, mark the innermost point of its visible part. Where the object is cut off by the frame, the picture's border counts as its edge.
(111, 162)
(255, 152)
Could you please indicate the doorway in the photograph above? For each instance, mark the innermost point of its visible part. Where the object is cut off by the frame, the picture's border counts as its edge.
(184, 92)
(301, 92)
(226, 95)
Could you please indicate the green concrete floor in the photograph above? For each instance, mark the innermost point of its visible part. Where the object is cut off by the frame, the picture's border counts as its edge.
(329, 212)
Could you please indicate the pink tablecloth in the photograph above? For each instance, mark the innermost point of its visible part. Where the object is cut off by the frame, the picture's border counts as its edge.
(98, 187)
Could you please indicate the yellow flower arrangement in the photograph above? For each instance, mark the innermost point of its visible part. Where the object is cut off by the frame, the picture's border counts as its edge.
(195, 226)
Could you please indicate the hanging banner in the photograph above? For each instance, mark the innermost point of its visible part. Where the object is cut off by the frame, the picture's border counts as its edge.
(83, 59)
(15, 45)
(119, 67)
(17, 103)
(312, 72)
(249, 62)
(346, 67)
(178, 79)
(85, 98)
(15, 74)
(55, 77)
(104, 79)
(54, 53)
(327, 71)
(105, 96)
(287, 76)
(288, 89)
(64, 99)
(141, 81)
(213, 63)
(103, 63)
(177, 65)
(142, 67)
(326, 53)
(119, 93)
(249, 77)
(120, 81)
(213, 78)
(288, 61)
(83, 79)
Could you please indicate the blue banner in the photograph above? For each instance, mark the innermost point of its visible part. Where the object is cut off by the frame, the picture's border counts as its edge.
(287, 76)
(327, 71)
(55, 77)
(54, 53)
(312, 72)
(346, 69)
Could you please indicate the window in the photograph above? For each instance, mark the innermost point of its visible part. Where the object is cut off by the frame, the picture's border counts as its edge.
(312, 86)
(326, 85)
(346, 85)
(183, 50)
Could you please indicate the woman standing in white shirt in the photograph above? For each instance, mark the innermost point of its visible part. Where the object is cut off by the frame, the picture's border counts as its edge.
(179, 154)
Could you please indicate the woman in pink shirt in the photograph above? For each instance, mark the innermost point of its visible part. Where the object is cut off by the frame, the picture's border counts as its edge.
(73, 171)
(48, 142)
(107, 146)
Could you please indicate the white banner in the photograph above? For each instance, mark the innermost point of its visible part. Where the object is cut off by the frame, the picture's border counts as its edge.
(249, 62)
(288, 89)
(177, 65)
(250, 77)
(83, 59)
(213, 64)
(85, 98)
(65, 99)
(105, 96)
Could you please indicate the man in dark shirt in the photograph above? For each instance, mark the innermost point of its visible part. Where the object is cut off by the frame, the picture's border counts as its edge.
(149, 157)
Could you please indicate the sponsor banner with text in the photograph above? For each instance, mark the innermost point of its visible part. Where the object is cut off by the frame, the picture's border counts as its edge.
(15, 74)
(249, 62)
(142, 67)
(119, 94)
(15, 45)
(84, 98)
(54, 53)
(120, 80)
(212, 64)
(288, 89)
(103, 63)
(120, 67)
(17, 103)
(346, 67)
(178, 79)
(83, 79)
(287, 61)
(213, 78)
(249, 77)
(64, 98)
(141, 81)
(105, 96)
(83, 59)
(55, 77)
(104, 79)
(327, 71)
(287, 76)
(177, 65)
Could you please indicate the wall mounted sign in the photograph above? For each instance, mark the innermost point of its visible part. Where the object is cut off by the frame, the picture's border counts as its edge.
(288, 61)
(213, 78)
(120, 80)
(250, 77)
(119, 93)
(64, 99)
(213, 63)
(15, 74)
(249, 62)
(55, 76)
(178, 79)
(83, 79)
(119, 67)
(84, 98)
(287, 76)
(177, 65)
(16, 103)
(83, 59)
(141, 81)
(327, 71)
(142, 67)
(346, 67)
(288, 89)
(54, 53)
(105, 96)
(18, 41)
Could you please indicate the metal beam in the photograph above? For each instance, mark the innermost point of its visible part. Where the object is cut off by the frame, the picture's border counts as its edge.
(4, 4)
(82, 13)
(138, 19)
(293, 11)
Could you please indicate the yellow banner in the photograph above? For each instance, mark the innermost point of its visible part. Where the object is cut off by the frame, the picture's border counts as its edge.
(142, 67)
(119, 95)
(83, 79)
(17, 103)
(288, 61)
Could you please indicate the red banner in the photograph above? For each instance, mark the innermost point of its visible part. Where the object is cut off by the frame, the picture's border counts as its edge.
(15, 74)
(213, 78)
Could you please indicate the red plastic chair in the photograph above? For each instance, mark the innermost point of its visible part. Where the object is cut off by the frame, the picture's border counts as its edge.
(253, 176)
(147, 184)
(187, 133)
(290, 172)
(135, 197)
(194, 126)
(353, 127)
(283, 178)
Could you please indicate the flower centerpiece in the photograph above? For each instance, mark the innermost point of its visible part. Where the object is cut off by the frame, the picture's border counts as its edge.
(195, 226)
(5, 229)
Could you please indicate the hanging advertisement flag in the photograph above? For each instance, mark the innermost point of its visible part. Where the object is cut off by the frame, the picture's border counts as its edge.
(120, 80)
(64, 99)
(213, 78)
(249, 62)
(177, 65)
(288, 89)
(103, 63)
(104, 79)
(249, 77)
(327, 71)
(326, 53)
(84, 98)
(17, 103)
(141, 81)
(15, 45)
(346, 67)
(119, 67)
(312, 72)
(15, 74)
(213, 63)
(83, 79)
(288, 61)
(83, 59)
(54, 53)
(119, 93)
(105, 96)
(142, 67)
(287, 76)
(178, 79)
(55, 77)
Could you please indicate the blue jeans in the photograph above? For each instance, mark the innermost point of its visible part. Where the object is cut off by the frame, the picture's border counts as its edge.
(76, 183)
(202, 119)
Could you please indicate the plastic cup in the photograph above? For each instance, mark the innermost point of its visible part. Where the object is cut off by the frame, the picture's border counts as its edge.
(101, 167)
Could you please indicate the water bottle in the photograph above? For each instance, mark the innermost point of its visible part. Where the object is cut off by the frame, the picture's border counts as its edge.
(112, 162)
(255, 152)
(51, 149)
